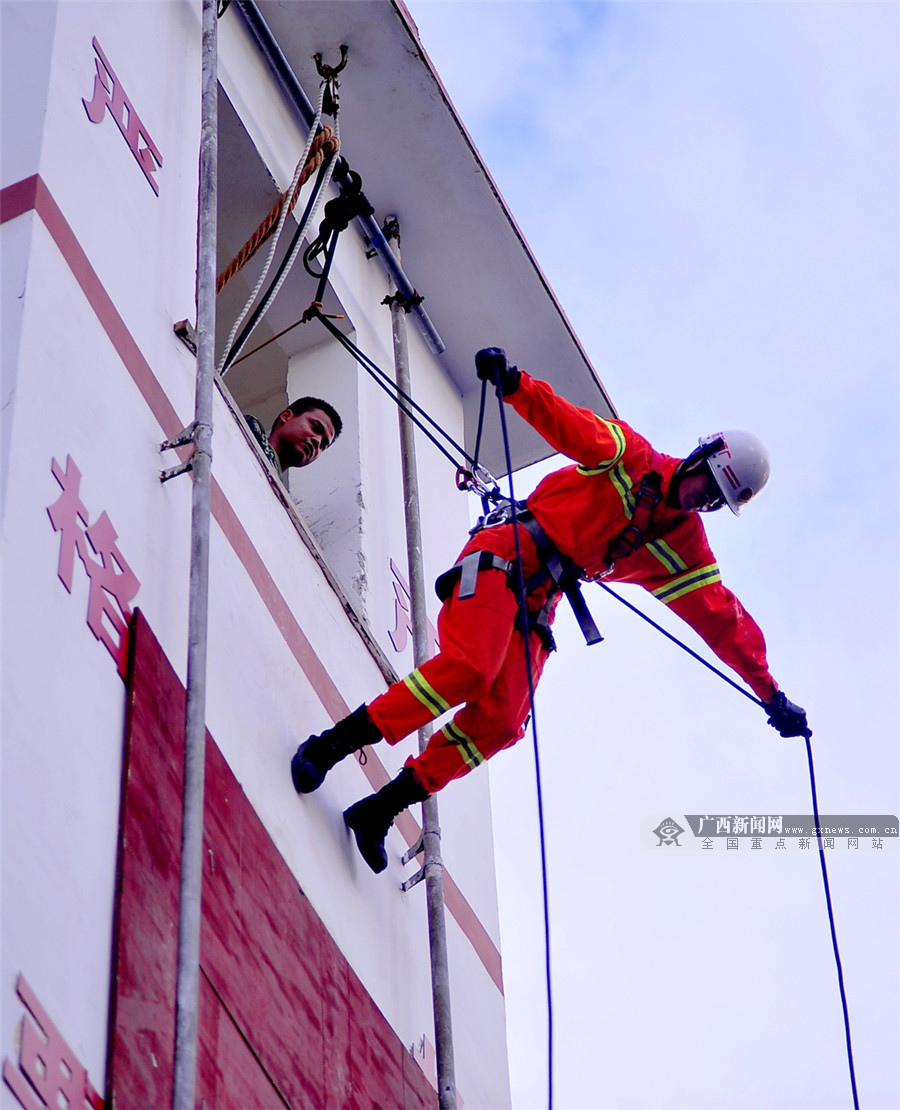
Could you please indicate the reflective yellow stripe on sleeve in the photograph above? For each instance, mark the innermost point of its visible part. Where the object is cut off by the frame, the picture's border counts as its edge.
(426, 693)
(669, 558)
(621, 479)
(619, 438)
(685, 583)
(471, 756)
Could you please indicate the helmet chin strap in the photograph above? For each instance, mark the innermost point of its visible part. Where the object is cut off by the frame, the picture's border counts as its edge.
(700, 455)
(691, 465)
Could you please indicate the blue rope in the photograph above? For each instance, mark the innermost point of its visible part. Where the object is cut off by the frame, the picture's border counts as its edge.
(526, 636)
(834, 940)
(385, 382)
(684, 647)
(815, 806)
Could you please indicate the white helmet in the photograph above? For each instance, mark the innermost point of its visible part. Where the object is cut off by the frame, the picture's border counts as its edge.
(741, 466)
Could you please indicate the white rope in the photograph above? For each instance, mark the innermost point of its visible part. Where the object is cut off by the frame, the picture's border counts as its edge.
(282, 219)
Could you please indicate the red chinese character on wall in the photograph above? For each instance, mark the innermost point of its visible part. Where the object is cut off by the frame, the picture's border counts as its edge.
(49, 1073)
(113, 584)
(109, 96)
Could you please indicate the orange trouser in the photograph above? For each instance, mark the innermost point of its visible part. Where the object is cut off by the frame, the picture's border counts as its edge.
(481, 663)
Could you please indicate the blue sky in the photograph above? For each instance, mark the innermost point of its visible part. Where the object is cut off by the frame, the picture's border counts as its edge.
(711, 189)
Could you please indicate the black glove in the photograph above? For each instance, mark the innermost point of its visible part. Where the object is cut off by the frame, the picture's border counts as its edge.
(491, 366)
(786, 718)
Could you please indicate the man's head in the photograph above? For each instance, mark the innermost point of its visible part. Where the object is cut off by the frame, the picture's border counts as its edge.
(303, 431)
(728, 468)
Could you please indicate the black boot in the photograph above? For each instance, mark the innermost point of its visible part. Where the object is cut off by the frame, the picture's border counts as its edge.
(314, 759)
(371, 818)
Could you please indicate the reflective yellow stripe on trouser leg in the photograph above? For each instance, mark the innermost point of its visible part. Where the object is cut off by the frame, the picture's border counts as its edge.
(470, 754)
(426, 693)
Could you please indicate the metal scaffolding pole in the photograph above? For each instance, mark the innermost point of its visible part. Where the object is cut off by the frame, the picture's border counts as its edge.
(187, 988)
(431, 832)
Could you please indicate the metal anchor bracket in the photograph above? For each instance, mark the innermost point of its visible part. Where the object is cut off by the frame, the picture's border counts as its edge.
(187, 333)
(330, 101)
(422, 873)
(416, 850)
(182, 439)
(418, 847)
(407, 858)
(408, 884)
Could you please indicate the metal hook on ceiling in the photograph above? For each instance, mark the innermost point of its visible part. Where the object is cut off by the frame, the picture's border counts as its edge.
(330, 105)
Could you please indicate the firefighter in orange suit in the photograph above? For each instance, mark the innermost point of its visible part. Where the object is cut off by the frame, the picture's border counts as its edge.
(623, 512)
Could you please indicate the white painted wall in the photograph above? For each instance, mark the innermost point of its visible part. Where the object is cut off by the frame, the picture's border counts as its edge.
(62, 699)
(330, 495)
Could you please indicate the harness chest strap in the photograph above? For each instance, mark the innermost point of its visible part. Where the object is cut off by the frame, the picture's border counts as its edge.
(633, 534)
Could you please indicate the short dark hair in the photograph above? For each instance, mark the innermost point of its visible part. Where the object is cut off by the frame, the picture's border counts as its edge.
(304, 404)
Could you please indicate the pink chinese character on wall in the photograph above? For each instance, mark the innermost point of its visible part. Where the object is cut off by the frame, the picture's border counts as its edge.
(402, 616)
(109, 96)
(49, 1073)
(113, 584)
(69, 516)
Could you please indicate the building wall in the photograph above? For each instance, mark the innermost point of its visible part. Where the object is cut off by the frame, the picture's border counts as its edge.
(283, 1019)
(98, 377)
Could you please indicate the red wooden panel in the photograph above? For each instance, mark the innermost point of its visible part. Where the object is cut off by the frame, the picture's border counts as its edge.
(146, 937)
(284, 1021)
(272, 984)
(337, 1030)
(229, 1076)
(376, 1067)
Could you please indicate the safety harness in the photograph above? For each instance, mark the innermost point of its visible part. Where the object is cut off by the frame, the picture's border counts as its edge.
(564, 574)
(563, 571)
(466, 572)
(633, 534)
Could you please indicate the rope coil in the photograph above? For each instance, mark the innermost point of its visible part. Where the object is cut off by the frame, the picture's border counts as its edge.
(231, 352)
(325, 145)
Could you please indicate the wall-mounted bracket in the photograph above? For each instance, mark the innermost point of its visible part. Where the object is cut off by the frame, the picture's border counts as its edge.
(418, 847)
(182, 439)
(187, 333)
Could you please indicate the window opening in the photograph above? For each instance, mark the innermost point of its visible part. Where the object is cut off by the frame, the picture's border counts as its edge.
(287, 359)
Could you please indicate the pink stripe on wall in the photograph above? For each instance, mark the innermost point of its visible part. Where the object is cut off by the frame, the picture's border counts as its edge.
(32, 194)
(17, 199)
(278, 608)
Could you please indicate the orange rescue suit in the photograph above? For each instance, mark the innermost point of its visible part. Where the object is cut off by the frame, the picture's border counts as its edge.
(582, 508)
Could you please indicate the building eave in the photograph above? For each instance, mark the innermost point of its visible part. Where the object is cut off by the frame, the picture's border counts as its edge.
(462, 248)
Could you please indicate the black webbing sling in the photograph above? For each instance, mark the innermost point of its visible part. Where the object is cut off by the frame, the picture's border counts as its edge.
(562, 571)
